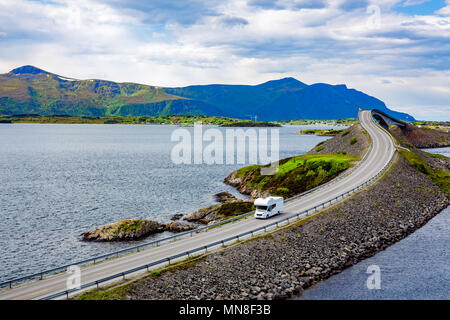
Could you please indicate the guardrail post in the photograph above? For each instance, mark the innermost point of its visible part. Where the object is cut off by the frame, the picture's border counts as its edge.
(206, 248)
(96, 283)
(67, 295)
(123, 275)
(41, 277)
(10, 284)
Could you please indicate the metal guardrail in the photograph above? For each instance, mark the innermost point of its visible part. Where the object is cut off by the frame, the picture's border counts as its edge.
(189, 252)
(221, 242)
(40, 275)
(237, 237)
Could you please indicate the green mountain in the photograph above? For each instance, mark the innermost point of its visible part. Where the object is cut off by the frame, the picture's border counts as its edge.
(30, 90)
(286, 99)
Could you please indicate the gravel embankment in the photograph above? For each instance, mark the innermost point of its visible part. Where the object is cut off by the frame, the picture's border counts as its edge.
(341, 143)
(283, 264)
(422, 138)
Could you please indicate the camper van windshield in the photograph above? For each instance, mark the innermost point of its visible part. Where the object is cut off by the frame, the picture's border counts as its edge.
(264, 208)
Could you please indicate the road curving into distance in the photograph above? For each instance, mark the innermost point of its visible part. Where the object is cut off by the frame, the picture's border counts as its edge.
(379, 155)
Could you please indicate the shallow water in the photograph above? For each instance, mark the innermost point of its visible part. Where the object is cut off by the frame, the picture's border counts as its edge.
(58, 180)
(444, 151)
(417, 267)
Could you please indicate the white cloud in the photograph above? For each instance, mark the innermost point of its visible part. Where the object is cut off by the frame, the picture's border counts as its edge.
(234, 42)
(445, 10)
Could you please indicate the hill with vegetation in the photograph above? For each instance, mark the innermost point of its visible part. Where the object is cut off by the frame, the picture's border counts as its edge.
(30, 90)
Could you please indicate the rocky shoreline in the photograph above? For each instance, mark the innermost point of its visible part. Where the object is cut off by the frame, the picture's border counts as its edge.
(133, 229)
(137, 229)
(282, 264)
(340, 144)
(285, 263)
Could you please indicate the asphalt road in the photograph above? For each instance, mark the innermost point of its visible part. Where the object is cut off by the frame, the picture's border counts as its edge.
(379, 155)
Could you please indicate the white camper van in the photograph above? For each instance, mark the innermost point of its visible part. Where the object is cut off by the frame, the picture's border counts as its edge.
(267, 207)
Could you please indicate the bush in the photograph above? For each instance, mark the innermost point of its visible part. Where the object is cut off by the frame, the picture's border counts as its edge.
(346, 132)
(319, 148)
(353, 140)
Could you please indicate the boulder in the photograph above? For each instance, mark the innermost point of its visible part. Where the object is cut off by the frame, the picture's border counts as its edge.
(177, 226)
(126, 230)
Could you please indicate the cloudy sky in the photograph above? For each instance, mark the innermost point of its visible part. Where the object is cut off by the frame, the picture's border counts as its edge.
(396, 50)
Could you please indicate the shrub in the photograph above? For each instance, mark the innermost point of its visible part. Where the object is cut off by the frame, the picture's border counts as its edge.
(319, 148)
(346, 132)
(353, 140)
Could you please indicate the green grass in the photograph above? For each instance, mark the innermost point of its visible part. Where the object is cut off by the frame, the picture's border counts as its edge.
(347, 122)
(250, 124)
(439, 176)
(117, 293)
(232, 209)
(435, 155)
(297, 174)
(324, 132)
(169, 119)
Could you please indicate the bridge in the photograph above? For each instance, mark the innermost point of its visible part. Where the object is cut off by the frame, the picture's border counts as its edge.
(376, 160)
(386, 120)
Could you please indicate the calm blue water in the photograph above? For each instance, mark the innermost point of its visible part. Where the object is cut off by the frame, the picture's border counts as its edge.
(417, 267)
(443, 151)
(57, 181)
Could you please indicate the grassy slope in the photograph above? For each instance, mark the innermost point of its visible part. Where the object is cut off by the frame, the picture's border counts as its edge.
(48, 94)
(297, 174)
(439, 176)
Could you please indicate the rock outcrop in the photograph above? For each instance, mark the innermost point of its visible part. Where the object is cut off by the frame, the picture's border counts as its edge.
(420, 137)
(126, 230)
(224, 197)
(133, 229)
(177, 226)
(219, 212)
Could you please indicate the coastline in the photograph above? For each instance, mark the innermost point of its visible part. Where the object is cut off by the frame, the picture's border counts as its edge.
(405, 271)
(286, 262)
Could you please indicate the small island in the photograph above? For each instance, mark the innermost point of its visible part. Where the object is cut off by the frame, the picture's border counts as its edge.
(133, 229)
(322, 132)
(250, 124)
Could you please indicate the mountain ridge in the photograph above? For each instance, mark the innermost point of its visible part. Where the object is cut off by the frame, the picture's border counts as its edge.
(28, 89)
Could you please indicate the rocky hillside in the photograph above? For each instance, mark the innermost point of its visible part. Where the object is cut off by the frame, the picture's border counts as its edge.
(421, 137)
(353, 141)
(301, 173)
(294, 176)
